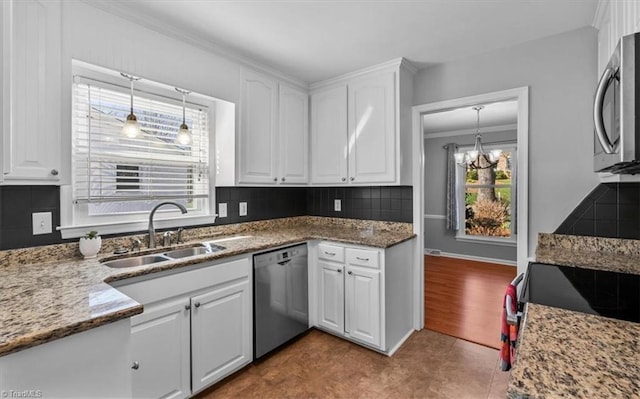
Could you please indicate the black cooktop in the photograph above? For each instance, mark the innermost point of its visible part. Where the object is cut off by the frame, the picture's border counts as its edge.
(609, 294)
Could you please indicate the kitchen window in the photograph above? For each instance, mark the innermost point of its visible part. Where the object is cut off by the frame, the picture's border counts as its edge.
(486, 199)
(117, 180)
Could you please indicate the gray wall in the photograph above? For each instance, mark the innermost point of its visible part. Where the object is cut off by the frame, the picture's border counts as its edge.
(435, 183)
(561, 74)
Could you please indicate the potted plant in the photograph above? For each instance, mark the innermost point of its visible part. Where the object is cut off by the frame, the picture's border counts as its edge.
(90, 244)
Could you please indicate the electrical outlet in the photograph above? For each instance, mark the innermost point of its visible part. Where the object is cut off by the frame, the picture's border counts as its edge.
(222, 210)
(337, 205)
(41, 223)
(243, 209)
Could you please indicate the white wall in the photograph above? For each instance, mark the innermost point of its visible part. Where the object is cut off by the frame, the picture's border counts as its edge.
(561, 74)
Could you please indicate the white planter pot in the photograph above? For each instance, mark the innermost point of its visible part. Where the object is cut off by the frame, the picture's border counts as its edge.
(89, 247)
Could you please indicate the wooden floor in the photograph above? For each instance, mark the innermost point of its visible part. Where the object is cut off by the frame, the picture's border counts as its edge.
(463, 298)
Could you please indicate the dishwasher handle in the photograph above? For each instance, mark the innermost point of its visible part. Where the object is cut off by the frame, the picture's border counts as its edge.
(284, 262)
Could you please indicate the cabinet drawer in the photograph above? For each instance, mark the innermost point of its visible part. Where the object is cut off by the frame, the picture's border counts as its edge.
(363, 257)
(331, 252)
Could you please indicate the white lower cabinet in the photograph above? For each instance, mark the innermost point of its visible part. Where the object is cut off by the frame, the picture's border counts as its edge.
(219, 334)
(363, 294)
(362, 305)
(90, 364)
(196, 329)
(160, 347)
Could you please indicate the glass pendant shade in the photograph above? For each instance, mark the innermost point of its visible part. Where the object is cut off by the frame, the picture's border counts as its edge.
(459, 157)
(184, 135)
(131, 128)
(495, 155)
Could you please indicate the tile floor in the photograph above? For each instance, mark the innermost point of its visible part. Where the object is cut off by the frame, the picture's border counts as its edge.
(319, 365)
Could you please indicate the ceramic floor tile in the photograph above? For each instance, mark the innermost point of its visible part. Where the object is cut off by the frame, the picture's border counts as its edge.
(320, 365)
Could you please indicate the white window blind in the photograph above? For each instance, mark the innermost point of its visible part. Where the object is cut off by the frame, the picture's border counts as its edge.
(115, 174)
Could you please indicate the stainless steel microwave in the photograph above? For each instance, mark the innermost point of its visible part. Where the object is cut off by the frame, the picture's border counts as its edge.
(616, 111)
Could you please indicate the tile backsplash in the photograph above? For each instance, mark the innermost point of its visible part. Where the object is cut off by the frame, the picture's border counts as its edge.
(610, 210)
(394, 204)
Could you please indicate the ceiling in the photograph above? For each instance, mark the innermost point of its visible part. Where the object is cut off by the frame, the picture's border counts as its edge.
(464, 120)
(312, 40)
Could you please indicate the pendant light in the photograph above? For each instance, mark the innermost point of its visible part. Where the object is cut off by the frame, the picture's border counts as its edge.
(471, 159)
(184, 136)
(131, 129)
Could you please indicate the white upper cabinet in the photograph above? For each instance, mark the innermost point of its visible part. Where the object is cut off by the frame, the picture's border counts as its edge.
(31, 82)
(372, 138)
(329, 135)
(361, 127)
(613, 20)
(293, 143)
(258, 121)
(274, 132)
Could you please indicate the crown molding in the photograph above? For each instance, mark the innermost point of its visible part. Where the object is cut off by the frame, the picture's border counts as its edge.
(392, 64)
(120, 9)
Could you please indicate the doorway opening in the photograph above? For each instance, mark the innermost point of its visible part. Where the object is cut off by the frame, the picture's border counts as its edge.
(473, 208)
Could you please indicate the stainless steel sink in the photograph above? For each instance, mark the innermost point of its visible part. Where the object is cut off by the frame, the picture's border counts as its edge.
(137, 261)
(193, 251)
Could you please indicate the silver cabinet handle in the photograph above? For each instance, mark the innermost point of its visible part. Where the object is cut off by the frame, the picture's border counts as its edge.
(283, 179)
(601, 133)
(330, 253)
(344, 179)
(349, 272)
(275, 179)
(352, 178)
(54, 172)
(135, 365)
(362, 259)
(339, 270)
(187, 306)
(197, 304)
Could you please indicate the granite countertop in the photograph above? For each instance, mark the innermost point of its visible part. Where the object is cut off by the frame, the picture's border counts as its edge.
(562, 353)
(46, 300)
(611, 254)
(568, 354)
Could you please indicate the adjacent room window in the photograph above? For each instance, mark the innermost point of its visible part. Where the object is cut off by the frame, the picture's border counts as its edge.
(120, 179)
(487, 199)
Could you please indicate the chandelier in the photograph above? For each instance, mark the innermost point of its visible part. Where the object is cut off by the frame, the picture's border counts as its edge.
(472, 159)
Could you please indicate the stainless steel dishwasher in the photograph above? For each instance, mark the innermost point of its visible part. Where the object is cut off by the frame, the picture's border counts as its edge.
(281, 297)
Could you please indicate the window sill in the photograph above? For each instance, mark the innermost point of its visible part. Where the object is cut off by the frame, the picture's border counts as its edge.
(506, 242)
(134, 226)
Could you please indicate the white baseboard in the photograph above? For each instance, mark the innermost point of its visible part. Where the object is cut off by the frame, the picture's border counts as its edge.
(399, 344)
(437, 252)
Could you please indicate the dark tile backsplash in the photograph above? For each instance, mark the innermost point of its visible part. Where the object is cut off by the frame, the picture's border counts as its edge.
(610, 210)
(17, 203)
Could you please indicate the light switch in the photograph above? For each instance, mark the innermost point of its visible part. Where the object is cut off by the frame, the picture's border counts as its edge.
(243, 209)
(41, 223)
(337, 205)
(222, 210)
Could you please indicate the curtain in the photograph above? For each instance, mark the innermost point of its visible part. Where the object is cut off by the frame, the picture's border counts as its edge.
(452, 217)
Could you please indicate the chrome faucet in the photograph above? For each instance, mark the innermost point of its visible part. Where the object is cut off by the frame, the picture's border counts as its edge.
(152, 230)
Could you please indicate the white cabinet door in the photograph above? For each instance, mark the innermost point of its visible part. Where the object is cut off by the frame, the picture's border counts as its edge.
(293, 145)
(221, 333)
(372, 135)
(31, 91)
(329, 136)
(160, 345)
(331, 296)
(363, 306)
(257, 137)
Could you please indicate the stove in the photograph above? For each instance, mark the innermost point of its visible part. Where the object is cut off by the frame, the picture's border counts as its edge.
(605, 293)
